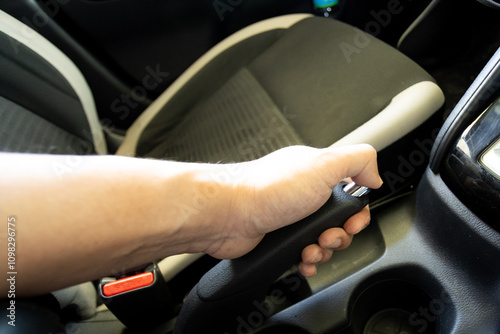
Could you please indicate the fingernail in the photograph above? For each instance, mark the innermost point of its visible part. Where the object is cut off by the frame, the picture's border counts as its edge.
(335, 243)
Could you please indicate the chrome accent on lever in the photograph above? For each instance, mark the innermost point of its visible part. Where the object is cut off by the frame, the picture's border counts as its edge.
(356, 190)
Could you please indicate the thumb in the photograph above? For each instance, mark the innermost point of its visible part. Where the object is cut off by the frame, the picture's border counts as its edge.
(359, 162)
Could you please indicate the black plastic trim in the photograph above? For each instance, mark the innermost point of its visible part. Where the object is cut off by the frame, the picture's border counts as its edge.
(466, 176)
(491, 3)
(480, 94)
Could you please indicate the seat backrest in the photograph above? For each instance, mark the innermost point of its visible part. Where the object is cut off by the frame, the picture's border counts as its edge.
(46, 105)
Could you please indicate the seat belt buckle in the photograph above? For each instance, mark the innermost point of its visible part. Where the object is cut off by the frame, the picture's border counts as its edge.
(138, 298)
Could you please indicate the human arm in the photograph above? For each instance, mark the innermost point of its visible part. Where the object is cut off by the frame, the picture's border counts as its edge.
(87, 217)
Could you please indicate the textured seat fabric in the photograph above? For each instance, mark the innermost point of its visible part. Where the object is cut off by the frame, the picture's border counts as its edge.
(301, 85)
(45, 96)
(240, 122)
(26, 132)
(311, 82)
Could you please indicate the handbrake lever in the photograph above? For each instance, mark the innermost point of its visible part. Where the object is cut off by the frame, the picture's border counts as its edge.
(232, 289)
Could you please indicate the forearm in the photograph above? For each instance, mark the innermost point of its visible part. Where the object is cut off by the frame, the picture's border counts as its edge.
(91, 217)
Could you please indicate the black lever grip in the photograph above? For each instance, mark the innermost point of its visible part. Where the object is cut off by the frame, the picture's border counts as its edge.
(233, 288)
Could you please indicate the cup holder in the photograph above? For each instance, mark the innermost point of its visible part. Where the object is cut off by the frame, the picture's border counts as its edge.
(394, 307)
(391, 321)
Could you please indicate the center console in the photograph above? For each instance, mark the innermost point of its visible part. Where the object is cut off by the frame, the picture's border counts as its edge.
(427, 263)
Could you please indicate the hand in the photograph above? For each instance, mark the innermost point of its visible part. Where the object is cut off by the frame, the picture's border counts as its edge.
(288, 185)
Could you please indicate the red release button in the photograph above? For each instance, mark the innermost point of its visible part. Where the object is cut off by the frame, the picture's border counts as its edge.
(128, 284)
